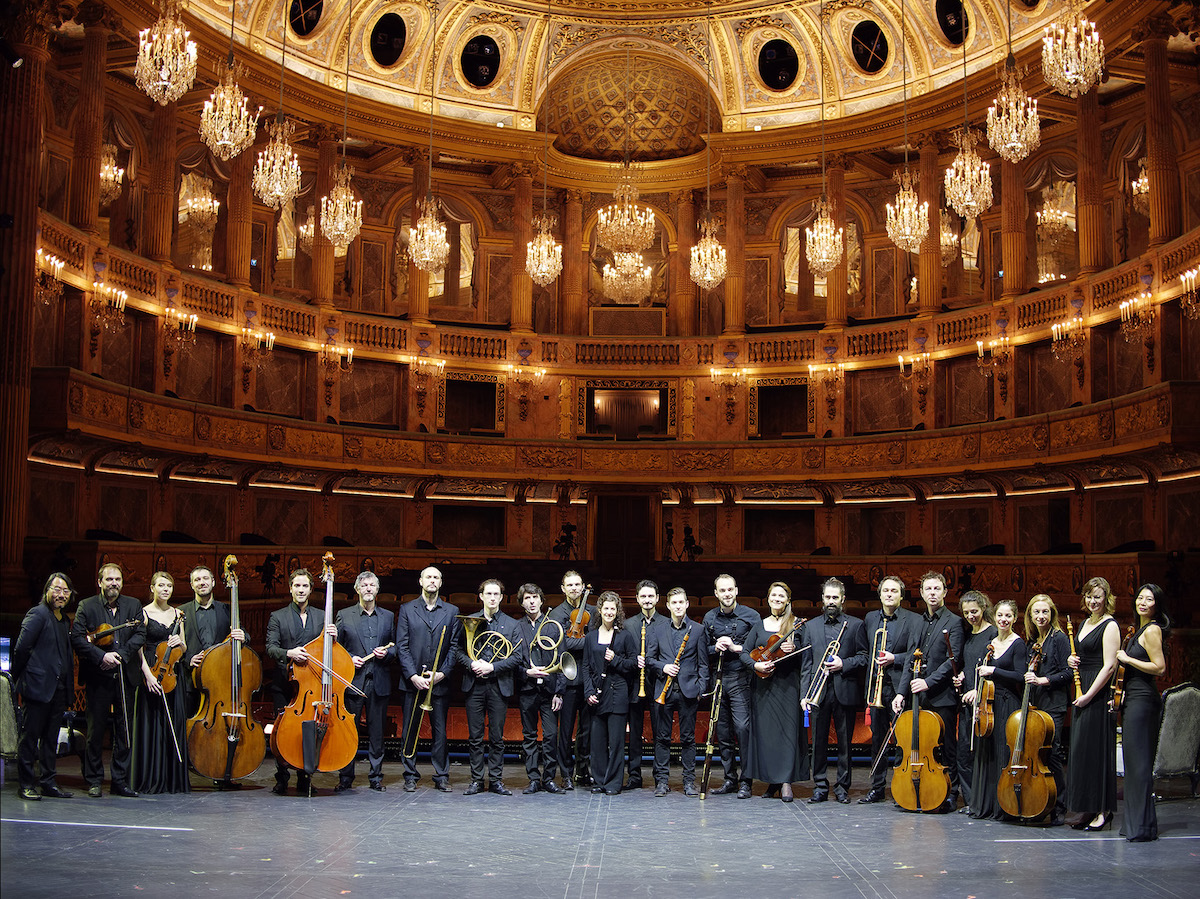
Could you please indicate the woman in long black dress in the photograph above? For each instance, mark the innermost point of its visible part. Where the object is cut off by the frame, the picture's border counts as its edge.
(1144, 660)
(778, 750)
(1007, 672)
(1051, 685)
(977, 609)
(1092, 763)
(160, 761)
(609, 660)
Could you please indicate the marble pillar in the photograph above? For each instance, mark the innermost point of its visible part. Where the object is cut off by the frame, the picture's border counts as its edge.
(239, 208)
(1013, 213)
(929, 260)
(681, 311)
(735, 248)
(161, 202)
(83, 210)
(322, 249)
(1161, 165)
(521, 316)
(573, 280)
(1089, 186)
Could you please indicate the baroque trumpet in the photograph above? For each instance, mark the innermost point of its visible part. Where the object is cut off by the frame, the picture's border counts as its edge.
(876, 673)
(817, 688)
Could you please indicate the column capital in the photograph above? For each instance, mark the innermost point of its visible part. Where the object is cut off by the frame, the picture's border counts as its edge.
(737, 172)
(1158, 27)
(576, 196)
(677, 198)
(322, 133)
(522, 170)
(844, 161)
(94, 14)
(33, 24)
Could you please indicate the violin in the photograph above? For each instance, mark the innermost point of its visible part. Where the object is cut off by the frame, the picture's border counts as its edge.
(104, 635)
(1118, 681)
(771, 651)
(1026, 788)
(985, 695)
(166, 663)
(919, 782)
(580, 617)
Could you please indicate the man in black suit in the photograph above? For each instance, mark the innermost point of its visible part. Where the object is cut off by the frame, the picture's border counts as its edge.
(110, 676)
(644, 626)
(887, 666)
(689, 679)
(41, 669)
(426, 635)
(367, 632)
(843, 693)
(725, 629)
(936, 683)
(538, 695)
(488, 684)
(289, 630)
(573, 705)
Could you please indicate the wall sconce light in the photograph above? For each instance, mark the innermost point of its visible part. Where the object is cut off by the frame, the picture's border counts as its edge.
(524, 379)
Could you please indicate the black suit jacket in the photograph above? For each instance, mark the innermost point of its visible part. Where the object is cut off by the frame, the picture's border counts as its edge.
(901, 637)
(191, 636)
(562, 614)
(285, 630)
(693, 664)
(609, 680)
(417, 639)
(845, 685)
(935, 661)
(128, 641)
(503, 669)
(555, 683)
(653, 626)
(42, 657)
(352, 634)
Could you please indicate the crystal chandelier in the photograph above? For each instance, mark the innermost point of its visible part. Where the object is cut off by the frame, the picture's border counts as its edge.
(341, 213)
(108, 306)
(427, 244)
(969, 178)
(1137, 317)
(178, 328)
(166, 60)
(1141, 189)
(1068, 337)
(48, 289)
(948, 239)
(202, 207)
(908, 219)
(1072, 53)
(111, 175)
(708, 264)
(226, 124)
(627, 278)
(1012, 121)
(305, 231)
(543, 259)
(823, 242)
(277, 170)
(1053, 221)
(623, 226)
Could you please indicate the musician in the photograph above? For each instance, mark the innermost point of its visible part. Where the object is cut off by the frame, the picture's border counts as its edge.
(726, 628)
(1051, 689)
(980, 617)
(109, 676)
(539, 697)
(573, 704)
(609, 661)
(843, 694)
(160, 762)
(688, 671)
(366, 630)
(206, 623)
(427, 627)
(41, 669)
(488, 685)
(289, 630)
(643, 626)
(937, 680)
(898, 626)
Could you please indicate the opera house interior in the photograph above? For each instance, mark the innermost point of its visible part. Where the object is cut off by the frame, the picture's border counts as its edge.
(646, 288)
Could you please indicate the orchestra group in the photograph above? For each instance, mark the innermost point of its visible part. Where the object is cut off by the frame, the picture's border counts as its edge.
(971, 709)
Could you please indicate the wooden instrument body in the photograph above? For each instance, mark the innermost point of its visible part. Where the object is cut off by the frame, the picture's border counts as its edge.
(104, 635)
(771, 651)
(985, 696)
(1026, 788)
(919, 782)
(1118, 681)
(166, 662)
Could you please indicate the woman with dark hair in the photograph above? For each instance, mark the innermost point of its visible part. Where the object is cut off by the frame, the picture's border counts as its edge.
(160, 749)
(1006, 671)
(609, 660)
(1092, 764)
(1051, 683)
(977, 611)
(1144, 660)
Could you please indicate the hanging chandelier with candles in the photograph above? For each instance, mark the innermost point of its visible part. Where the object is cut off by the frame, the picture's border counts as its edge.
(111, 175)
(627, 278)
(623, 226)
(202, 207)
(226, 124)
(1012, 121)
(427, 244)
(277, 169)
(543, 255)
(908, 218)
(1140, 189)
(708, 263)
(166, 60)
(969, 178)
(948, 239)
(1072, 53)
(306, 230)
(823, 241)
(341, 213)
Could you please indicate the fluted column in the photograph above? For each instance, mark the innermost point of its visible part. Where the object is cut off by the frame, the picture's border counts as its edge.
(681, 312)
(929, 261)
(322, 249)
(21, 112)
(571, 281)
(83, 210)
(1012, 226)
(1161, 166)
(239, 210)
(836, 282)
(521, 315)
(1089, 187)
(418, 281)
(735, 250)
(160, 202)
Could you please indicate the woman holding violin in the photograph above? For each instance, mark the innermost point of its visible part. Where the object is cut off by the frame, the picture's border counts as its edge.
(1092, 763)
(1144, 660)
(1051, 684)
(1006, 671)
(778, 750)
(609, 661)
(160, 761)
(977, 611)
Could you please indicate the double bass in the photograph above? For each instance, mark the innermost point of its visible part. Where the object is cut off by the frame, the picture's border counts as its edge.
(315, 732)
(224, 741)
(920, 782)
(1026, 788)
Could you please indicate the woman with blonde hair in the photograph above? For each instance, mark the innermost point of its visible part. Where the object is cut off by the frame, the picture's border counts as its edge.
(1051, 685)
(160, 760)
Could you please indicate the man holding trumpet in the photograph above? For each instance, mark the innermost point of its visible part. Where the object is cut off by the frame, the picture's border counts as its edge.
(680, 657)
(891, 629)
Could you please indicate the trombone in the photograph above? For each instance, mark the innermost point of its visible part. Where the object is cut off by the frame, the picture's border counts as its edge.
(817, 688)
(559, 659)
(409, 750)
(876, 673)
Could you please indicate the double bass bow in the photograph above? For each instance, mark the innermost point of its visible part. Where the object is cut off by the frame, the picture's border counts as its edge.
(225, 743)
(165, 672)
(1026, 788)
(919, 782)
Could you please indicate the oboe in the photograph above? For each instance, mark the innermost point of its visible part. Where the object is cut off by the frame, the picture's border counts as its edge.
(642, 671)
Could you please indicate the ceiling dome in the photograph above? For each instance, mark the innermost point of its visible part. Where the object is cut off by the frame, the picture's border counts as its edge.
(587, 106)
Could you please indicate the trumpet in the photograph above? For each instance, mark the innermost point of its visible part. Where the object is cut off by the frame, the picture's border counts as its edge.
(559, 660)
(817, 688)
(484, 646)
(876, 673)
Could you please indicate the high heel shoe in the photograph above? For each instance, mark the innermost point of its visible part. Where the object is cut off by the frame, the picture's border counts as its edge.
(787, 794)
(771, 792)
(1106, 821)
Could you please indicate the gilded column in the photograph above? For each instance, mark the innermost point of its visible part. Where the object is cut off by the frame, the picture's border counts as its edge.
(681, 312)
(160, 202)
(929, 261)
(239, 211)
(418, 281)
(1089, 187)
(836, 283)
(1161, 166)
(735, 236)
(83, 210)
(521, 316)
(322, 249)
(1012, 226)
(574, 273)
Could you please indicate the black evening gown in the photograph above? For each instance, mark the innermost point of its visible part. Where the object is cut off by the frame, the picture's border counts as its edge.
(156, 767)
(1092, 763)
(1139, 735)
(778, 751)
(991, 752)
(974, 650)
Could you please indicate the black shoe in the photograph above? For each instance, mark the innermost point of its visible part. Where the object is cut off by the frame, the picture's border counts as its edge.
(597, 789)
(533, 787)
(280, 789)
(94, 791)
(842, 796)
(441, 784)
(551, 787)
(872, 796)
(772, 791)
(226, 785)
(818, 796)
(616, 792)
(343, 786)
(56, 793)
(30, 793)
(474, 788)
(410, 785)
(585, 780)
(568, 785)
(746, 790)
(378, 786)
(123, 790)
(1106, 820)
(499, 789)
(1055, 821)
(689, 789)
(661, 790)
(634, 783)
(948, 806)
(729, 786)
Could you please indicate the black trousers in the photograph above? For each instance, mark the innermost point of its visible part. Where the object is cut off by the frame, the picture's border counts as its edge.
(881, 723)
(439, 753)
(375, 707)
(842, 717)
(39, 739)
(541, 756)
(949, 716)
(104, 711)
(486, 700)
(1058, 761)
(608, 749)
(574, 705)
(686, 708)
(637, 726)
(733, 722)
(964, 755)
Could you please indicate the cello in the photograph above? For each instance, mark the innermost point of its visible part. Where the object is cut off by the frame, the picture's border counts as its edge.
(1026, 788)
(225, 743)
(919, 782)
(315, 732)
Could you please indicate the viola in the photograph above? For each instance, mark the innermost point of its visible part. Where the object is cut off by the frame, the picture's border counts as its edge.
(985, 695)
(771, 651)
(166, 662)
(224, 740)
(1118, 681)
(105, 635)
(1026, 788)
(919, 782)
(580, 617)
